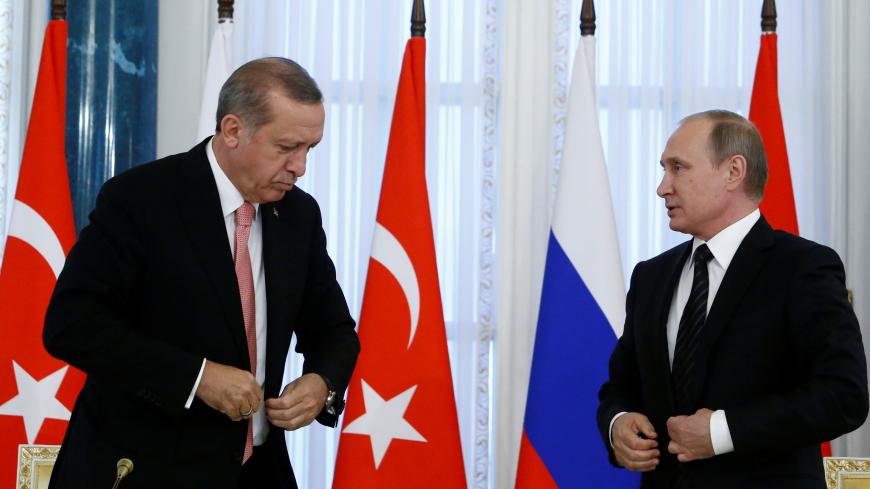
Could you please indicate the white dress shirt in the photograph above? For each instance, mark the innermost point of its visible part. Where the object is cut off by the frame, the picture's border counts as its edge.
(231, 199)
(723, 246)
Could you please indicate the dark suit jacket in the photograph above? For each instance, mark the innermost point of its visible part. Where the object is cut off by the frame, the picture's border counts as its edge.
(149, 291)
(781, 353)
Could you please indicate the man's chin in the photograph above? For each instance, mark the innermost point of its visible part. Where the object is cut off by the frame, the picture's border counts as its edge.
(273, 195)
(675, 225)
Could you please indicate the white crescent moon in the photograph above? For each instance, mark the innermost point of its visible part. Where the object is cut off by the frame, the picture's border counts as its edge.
(387, 250)
(28, 226)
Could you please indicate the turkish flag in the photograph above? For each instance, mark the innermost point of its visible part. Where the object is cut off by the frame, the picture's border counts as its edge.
(37, 391)
(400, 427)
(778, 204)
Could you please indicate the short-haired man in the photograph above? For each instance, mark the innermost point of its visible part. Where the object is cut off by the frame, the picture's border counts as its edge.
(741, 352)
(180, 298)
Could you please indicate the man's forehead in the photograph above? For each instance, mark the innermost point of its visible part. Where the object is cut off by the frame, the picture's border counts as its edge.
(698, 128)
(692, 133)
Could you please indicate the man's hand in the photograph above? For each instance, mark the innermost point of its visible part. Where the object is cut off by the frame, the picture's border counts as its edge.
(301, 402)
(690, 436)
(230, 390)
(634, 442)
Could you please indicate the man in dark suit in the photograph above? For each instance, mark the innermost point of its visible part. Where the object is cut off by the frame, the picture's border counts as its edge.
(180, 298)
(740, 352)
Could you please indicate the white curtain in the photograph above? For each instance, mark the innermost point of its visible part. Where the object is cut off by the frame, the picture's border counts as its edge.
(353, 48)
(8, 172)
(658, 61)
(850, 96)
(22, 27)
(530, 105)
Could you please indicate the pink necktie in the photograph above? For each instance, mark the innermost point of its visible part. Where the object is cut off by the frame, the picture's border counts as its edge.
(242, 259)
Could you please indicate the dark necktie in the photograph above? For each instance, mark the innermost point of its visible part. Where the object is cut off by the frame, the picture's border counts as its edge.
(689, 333)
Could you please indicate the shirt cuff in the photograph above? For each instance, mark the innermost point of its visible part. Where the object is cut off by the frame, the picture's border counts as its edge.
(720, 435)
(610, 430)
(195, 386)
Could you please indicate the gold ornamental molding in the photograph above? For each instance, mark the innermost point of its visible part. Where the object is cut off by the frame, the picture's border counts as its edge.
(35, 463)
(847, 472)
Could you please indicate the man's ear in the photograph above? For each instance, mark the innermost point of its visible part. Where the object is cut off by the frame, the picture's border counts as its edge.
(231, 129)
(736, 171)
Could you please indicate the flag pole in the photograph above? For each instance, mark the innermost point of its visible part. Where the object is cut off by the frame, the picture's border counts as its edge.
(587, 18)
(58, 9)
(418, 19)
(768, 17)
(225, 11)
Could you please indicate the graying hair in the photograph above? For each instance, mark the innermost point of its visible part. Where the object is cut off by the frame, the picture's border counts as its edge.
(733, 134)
(246, 92)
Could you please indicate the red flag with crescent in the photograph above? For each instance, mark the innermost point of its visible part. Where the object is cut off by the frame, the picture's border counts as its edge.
(778, 205)
(400, 427)
(37, 391)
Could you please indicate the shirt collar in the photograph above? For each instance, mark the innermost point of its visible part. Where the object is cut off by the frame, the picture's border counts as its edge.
(724, 245)
(231, 198)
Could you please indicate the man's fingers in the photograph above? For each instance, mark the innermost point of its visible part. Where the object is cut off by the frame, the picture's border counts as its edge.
(641, 455)
(295, 409)
(286, 401)
(230, 390)
(254, 401)
(676, 448)
(685, 457)
(643, 466)
(632, 441)
(641, 461)
(645, 427)
(303, 408)
(635, 442)
(289, 419)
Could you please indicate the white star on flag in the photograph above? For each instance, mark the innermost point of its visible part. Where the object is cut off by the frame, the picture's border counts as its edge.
(36, 400)
(384, 421)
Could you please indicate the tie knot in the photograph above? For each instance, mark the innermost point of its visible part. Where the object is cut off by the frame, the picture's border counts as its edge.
(245, 214)
(703, 254)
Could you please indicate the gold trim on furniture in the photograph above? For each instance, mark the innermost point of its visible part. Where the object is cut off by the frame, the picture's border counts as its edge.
(34, 465)
(847, 472)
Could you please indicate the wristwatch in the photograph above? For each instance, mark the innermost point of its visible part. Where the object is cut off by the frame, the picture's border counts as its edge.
(329, 405)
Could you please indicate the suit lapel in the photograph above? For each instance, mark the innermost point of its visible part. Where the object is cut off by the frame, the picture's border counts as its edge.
(744, 267)
(200, 210)
(280, 262)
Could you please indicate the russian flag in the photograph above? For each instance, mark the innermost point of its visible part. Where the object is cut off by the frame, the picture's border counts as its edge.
(582, 310)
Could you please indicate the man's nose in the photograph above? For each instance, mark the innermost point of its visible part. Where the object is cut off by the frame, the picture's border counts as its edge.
(664, 187)
(297, 164)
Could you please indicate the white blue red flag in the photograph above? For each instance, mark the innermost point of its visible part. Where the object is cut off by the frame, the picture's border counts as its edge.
(218, 68)
(582, 310)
